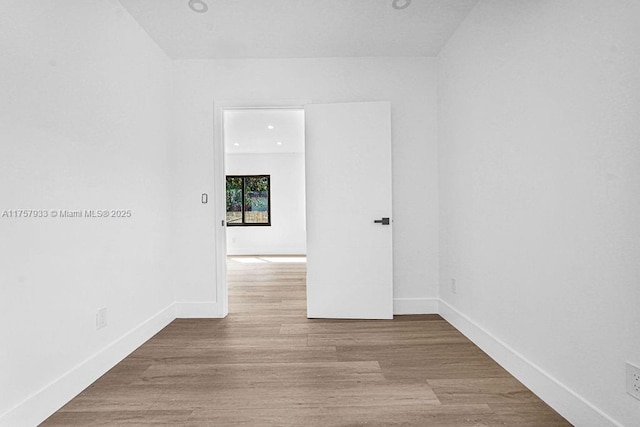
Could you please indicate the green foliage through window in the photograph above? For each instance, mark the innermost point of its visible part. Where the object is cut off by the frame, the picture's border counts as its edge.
(248, 200)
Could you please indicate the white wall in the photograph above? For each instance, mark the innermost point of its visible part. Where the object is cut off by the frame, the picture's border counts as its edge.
(84, 107)
(539, 107)
(287, 234)
(408, 83)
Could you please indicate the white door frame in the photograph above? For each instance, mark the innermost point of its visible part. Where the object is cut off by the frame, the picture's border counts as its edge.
(219, 183)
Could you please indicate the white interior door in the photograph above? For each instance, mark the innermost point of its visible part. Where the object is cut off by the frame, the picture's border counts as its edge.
(348, 178)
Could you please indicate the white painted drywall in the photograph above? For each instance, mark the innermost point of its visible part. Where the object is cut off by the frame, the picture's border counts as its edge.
(286, 235)
(84, 114)
(408, 83)
(539, 149)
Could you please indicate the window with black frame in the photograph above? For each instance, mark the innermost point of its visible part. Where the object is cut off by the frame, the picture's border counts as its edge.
(248, 200)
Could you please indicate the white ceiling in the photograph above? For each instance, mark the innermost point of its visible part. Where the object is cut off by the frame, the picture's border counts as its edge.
(299, 28)
(248, 131)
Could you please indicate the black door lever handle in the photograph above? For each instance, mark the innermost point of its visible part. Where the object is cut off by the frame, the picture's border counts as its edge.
(383, 221)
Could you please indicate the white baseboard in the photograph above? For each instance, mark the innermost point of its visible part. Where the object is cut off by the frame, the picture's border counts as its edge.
(565, 401)
(40, 405)
(415, 306)
(199, 310)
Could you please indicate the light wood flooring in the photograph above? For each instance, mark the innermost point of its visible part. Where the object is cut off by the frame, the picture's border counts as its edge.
(266, 364)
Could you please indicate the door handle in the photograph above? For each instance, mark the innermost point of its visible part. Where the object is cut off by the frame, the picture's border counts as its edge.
(383, 221)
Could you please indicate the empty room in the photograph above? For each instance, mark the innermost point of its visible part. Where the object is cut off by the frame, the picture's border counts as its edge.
(449, 234)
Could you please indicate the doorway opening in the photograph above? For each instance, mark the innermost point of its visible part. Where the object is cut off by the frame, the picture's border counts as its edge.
(264, 165)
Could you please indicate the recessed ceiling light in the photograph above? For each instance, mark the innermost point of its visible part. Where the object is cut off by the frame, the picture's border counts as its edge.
(400, 4)
(198, 6)
(279, 142)
(270, 127)
(236, 144)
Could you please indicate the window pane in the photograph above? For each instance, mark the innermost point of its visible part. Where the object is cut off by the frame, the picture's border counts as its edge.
(234, 200)
(256, 200)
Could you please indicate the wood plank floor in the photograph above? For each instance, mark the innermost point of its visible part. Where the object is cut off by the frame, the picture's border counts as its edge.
(267, 365)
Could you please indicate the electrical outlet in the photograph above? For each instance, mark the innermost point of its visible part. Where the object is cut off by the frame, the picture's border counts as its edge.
(633, 380)
(101, 318)
(454, 286)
